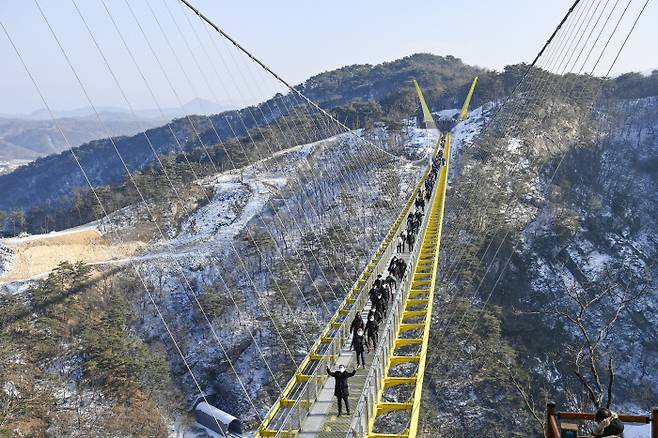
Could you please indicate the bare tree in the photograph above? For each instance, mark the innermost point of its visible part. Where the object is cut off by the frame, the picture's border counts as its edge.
(593, 310)
(525, 390)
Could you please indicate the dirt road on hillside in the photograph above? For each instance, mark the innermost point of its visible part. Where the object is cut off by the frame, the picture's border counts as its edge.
(36, 255)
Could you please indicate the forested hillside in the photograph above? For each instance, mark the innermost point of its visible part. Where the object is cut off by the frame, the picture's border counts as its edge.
(358, 95)
(550, 284)
(550, 240)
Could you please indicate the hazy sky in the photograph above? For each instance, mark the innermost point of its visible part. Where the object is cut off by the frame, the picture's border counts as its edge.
(296, 38)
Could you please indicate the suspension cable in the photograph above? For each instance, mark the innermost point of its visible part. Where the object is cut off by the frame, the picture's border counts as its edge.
(104, 211)
(554, 174)
(130, 176)
(131, 108)
(279, 78)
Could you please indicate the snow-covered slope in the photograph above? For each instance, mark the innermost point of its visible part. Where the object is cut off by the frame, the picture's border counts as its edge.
(6, 258)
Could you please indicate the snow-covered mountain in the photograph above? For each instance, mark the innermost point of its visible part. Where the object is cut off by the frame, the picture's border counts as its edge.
(542, 214)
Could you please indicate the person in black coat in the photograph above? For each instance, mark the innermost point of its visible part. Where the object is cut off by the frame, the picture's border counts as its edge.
(373, 295)
(390, 281)
(380, 305)
(357, 323)
(342, 390)
(375, 314)
(386, 294)
(410, 220)
(402, 266)
(396, 270)
(394, 260)
(378, 281)
(607, 423)
(372, 331)
(410, 239)
(359, 344)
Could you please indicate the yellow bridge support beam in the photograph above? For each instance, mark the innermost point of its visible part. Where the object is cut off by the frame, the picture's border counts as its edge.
(464, 112)
(427, 114)
(420, 294)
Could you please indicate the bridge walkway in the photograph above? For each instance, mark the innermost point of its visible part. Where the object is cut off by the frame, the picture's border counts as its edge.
(323, 421)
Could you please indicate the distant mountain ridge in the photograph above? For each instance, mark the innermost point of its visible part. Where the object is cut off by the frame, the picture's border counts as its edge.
(33, 135)
(356, 94)
(385, 89)
(115, 113)
(31, 139)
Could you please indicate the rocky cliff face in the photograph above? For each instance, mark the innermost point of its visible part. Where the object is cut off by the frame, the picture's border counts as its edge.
(596, 237)
(559, 256)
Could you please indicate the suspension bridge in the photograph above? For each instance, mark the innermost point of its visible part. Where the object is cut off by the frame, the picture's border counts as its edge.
(304, 407)
(385, 396)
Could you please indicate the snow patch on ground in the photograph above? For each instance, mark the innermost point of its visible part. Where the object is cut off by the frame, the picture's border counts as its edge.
(7, 257)
(447, 113)
(234, 204)
(596, 262)
(224, 213)
(420, 142)
(465, 132)
(514, 145)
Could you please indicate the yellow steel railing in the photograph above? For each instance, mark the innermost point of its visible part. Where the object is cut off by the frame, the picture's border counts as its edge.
(302, 389)
(285, 417)
(414, 314)
(417, 305)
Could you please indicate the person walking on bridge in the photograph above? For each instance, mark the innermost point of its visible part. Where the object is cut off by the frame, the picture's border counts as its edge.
(386, 294)
(341, 390)
(410, 238)
(372, 331)
(390, 281)
(419, 218)
(391, 264)
(357, 324)
(381, 305)
(401, 267)
(375, 314)
(359, 344)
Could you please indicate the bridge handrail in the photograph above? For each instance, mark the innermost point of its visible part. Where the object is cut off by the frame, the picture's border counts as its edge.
(357, 297)
(375, 381)
(382, 260)
(308, 393)
(361, 418)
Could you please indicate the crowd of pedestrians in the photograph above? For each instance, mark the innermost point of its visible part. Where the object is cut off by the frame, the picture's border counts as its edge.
(365, 334)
